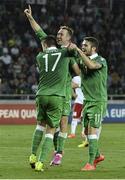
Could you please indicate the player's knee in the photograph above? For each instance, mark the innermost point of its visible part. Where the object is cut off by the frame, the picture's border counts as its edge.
(41, 123)
(40, 128)
(92, 130)
(63, 127)
(64, 124)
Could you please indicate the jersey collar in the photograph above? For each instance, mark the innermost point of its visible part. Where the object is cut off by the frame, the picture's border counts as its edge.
(51, 48)
(93, 56)
(65, 46)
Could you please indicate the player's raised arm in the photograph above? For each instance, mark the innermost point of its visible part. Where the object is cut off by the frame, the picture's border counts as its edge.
(35, 26)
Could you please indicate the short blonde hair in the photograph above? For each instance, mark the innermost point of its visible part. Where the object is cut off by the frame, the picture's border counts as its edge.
(70, 30)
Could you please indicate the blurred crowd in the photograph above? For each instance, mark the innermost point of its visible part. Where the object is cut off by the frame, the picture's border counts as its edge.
(19, 46)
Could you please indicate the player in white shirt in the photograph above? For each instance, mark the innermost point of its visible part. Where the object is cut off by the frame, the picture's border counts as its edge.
(77, 106)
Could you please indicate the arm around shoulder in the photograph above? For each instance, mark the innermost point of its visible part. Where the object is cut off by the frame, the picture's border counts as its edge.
(89, 63)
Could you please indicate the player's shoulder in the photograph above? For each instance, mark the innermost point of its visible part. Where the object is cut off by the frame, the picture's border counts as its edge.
(101, 60)
(39, 54)
(63, 49)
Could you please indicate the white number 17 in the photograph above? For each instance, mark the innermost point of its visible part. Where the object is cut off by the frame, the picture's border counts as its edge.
(56, 62)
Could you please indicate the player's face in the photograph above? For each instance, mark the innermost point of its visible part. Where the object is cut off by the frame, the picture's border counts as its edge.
(63, 37)
(87, 48)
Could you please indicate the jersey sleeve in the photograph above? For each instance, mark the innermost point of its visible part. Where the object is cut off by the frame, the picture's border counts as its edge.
(41, 34)
(72, 61)
(101, 61)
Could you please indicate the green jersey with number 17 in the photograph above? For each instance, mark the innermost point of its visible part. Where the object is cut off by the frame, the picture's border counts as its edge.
(53, 68)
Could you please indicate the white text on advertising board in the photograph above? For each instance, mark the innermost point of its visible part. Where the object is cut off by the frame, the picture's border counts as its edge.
(14, 113)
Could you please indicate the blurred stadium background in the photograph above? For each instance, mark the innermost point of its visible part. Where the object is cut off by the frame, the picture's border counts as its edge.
(104, 19)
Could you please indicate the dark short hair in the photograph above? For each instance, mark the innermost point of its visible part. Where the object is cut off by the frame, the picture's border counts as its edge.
(94, 42)
(50, 40)
(70, 30)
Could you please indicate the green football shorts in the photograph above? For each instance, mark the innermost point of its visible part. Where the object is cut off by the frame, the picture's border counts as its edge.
(49, 109)
(93, 113)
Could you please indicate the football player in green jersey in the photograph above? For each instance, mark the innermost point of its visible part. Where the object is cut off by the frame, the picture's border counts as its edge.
(64, 36)
(63, 39)
(94, 78)
(52, 64)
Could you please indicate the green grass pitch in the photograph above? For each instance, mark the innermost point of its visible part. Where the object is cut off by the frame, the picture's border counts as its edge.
(15, 150)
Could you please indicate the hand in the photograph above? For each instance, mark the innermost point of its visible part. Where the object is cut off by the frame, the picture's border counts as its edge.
(72, 46)
(28, 12)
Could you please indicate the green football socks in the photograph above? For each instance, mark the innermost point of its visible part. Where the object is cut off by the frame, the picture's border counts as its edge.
(37, 137)
(61, 142)
(46, 148)
(55, 139)
(97, 153)
(93, 147)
